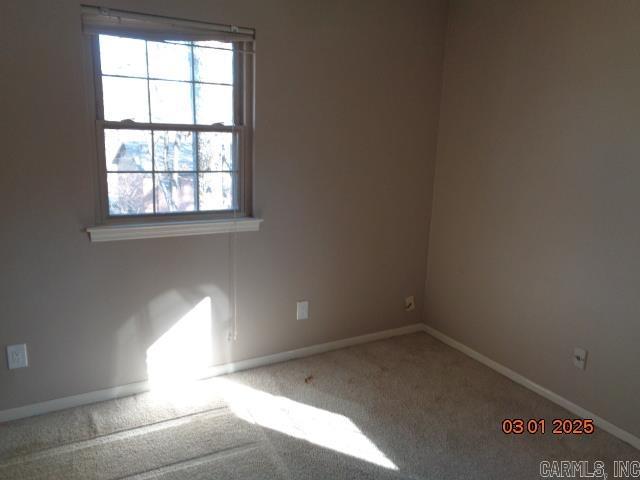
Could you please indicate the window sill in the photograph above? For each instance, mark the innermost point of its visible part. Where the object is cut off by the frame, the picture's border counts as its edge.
(110, 233)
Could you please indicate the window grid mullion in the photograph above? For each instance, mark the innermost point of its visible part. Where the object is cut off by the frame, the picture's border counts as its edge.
(219, 84)
(196, 142)
(153, 147)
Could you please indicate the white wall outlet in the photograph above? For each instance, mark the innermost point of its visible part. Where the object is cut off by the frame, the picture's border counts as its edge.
(17, 356)
(302, 310)
(580, 358)
(409, 303)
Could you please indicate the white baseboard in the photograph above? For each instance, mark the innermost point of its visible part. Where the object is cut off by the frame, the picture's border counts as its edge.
(73, 401)
(140, 387)
(540, 390)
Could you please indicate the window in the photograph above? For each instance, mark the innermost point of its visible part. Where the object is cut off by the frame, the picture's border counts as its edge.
(174, 115)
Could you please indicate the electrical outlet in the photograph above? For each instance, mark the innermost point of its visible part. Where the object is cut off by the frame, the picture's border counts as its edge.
(302, 310)
(409, 304)
(580, 358)
(17, 356)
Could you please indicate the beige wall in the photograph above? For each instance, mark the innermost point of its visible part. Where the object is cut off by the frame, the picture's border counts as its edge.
(535, 230)
(347, 101)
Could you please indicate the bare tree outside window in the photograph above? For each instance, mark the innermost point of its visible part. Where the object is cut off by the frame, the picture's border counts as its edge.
(170, 125)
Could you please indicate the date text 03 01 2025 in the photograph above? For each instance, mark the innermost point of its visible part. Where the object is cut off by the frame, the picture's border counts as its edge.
(560, 426)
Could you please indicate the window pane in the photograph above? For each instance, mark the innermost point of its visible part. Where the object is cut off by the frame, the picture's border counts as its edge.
(214, 104)
(213, 65)
(171, 102)
(130, 193)
(125, 98)
(122, 56)
(128, 150)
(215, 150)
(216, 191)
(174, 150)
(169, 61)
(175, 192)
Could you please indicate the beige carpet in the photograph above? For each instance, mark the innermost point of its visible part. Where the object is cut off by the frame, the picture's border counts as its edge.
(404, 408)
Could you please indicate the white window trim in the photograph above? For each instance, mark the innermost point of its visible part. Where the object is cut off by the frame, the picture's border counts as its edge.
(114, 228)
(110, 233)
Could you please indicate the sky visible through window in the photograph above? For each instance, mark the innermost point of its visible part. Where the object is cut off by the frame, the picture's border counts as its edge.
(159, 171)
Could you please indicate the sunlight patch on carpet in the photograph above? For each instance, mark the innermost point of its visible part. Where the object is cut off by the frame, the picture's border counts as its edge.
(320, 427)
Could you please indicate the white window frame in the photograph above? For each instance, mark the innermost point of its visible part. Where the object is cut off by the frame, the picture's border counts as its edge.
(147, 27)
